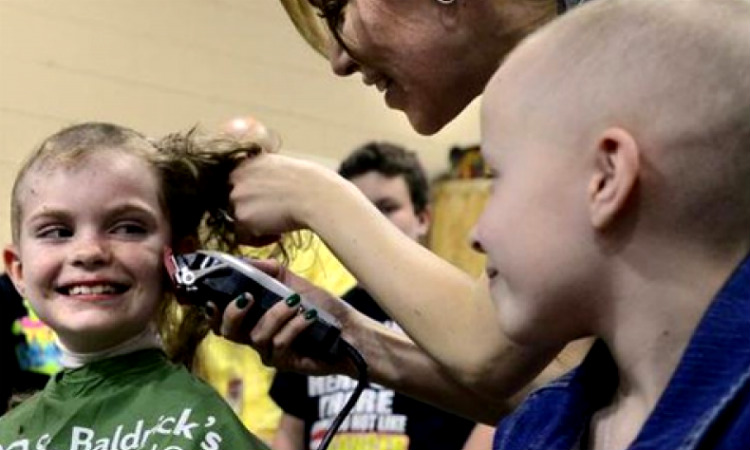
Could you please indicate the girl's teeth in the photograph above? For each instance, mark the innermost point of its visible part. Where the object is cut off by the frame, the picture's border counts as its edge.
(91, 290)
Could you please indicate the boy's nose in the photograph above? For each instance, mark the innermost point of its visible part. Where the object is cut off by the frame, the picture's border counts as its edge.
(474, 241)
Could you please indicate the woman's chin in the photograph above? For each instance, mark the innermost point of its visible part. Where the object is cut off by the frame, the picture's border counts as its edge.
(425, 124)
(426, 118)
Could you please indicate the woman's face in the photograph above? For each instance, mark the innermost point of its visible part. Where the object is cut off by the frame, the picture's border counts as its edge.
(429, 59)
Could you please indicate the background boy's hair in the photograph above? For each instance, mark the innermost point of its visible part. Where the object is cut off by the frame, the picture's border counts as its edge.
(390, 160)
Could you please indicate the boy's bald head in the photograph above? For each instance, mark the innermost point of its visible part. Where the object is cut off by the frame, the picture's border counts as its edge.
(674, 74)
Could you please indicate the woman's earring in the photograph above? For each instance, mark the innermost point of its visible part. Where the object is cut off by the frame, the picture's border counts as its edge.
(446, 2)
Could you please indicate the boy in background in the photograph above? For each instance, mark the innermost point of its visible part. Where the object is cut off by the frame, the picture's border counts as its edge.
(395, 182)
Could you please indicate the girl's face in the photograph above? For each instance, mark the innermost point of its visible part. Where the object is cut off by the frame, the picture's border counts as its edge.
(89, 252)
(429, 60)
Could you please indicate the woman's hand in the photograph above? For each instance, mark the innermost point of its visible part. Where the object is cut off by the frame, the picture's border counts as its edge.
(273, 194)
(274, 333)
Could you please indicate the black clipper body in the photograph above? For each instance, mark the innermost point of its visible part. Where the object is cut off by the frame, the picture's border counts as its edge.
(218, 277)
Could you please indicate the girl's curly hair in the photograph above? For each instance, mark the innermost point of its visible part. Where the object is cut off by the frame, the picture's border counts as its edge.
(194, 170)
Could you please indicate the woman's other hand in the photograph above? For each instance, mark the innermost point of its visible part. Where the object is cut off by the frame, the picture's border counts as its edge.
(273, 194)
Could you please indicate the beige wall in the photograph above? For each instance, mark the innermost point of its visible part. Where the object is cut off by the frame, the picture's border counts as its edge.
(165, 65)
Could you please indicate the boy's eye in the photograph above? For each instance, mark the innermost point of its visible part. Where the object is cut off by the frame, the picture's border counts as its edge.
(492, 175)
(387, 208)
(54, 232)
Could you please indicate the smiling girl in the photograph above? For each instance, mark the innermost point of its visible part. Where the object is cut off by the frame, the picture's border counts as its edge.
(92, 211)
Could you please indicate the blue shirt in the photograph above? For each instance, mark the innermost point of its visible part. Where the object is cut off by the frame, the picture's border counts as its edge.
(706, 404)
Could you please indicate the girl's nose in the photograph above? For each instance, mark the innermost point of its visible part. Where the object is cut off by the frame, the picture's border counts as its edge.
(90, 252)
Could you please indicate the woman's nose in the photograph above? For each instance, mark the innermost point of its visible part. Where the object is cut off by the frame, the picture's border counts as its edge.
(342, 63)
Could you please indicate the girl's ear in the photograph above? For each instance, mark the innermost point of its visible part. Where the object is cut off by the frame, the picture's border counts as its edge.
(187, 244)
(615, 175)
(14, 268)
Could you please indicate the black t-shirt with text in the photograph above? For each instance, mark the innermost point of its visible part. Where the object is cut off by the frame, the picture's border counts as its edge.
(380, 419)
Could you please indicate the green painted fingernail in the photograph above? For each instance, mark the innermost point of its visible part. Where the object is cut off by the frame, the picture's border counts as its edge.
(241, 301)
(311, 314)
(293, 300)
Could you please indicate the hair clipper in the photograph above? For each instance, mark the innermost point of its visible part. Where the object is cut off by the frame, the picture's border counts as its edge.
(218, 277)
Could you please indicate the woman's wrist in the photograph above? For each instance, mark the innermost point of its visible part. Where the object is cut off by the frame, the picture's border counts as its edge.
(327, 201)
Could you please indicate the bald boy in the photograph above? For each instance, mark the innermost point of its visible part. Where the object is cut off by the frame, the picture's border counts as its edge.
(620, 143)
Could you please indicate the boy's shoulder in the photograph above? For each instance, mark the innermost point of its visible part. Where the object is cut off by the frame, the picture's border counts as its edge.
(705, 405)
(556, 413)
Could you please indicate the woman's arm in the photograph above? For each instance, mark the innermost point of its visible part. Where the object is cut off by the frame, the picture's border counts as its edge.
(393, 359)
(290, 435)
(480, 438)
(445, 311)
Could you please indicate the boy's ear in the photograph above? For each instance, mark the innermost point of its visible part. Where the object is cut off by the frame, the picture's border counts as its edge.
(13, 268)
(425, 220)
(617, 163)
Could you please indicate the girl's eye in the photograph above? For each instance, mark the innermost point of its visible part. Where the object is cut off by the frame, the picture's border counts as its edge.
(54, 232)
(129, 229)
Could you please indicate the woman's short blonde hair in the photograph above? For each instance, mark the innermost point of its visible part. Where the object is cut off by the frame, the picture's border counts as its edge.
(309, 24)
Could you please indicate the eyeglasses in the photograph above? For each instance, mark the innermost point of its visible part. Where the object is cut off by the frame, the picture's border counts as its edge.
(333, 12)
